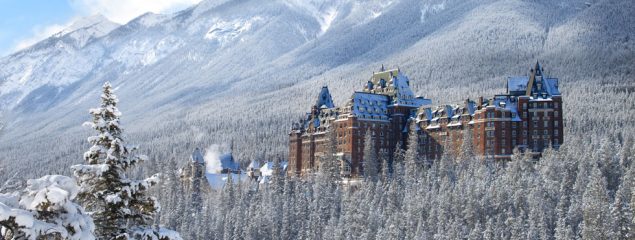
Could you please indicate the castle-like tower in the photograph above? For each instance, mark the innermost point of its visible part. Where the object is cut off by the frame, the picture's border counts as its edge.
(384, 107)
(528, 117)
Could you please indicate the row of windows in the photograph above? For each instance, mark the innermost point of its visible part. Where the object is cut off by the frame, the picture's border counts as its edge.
(542, 105)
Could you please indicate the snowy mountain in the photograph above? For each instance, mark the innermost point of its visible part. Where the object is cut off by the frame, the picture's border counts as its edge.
(242, 70)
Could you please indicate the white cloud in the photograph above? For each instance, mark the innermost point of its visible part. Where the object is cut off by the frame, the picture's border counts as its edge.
(122, 11)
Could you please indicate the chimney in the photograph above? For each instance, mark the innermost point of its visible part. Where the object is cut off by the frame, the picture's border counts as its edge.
(480, 102)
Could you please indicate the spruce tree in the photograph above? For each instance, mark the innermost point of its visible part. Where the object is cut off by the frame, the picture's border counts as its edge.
(119, 205)
(597, 223)
(621, 210)
(411, 158)
(371, 160)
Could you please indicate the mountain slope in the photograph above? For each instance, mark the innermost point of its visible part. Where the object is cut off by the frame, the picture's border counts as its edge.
(242, 70)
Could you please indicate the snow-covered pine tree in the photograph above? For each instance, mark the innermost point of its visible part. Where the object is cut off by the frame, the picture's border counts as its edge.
(325, 188)
(371, 161)
(276, 187)
(411, 158)
(621, 210)
(45, 210)
(119, 205)
(386, 166)
(597, 222)
(467, 146)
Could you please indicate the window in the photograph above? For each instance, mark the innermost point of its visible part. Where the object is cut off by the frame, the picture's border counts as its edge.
(524, 124)
(555, 142)
(525, 133)
(555, 133)
(535, 132)
(490, 133)
(546, 132)
(556, 105)
(503, 151)
(555, 114)
(546, 124)
(513, 133)
(524, 105)
(513, 142)
(555, 124)
(535, 124)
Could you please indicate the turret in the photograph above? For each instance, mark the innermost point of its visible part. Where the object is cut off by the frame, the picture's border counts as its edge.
(324, 99)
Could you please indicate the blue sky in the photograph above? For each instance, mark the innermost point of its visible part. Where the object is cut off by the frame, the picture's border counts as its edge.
(22, 19)
(25, 22)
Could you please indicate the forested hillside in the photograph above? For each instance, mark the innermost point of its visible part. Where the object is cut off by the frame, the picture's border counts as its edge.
(242, 71)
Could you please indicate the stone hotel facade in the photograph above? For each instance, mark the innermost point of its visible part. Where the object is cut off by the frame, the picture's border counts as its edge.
(528, 117)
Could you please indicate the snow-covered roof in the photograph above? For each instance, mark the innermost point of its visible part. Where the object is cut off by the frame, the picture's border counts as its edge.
(544, 87)
(454, 113)
(508, 103)
(517, 84)
(227, 162)
(396, 85)
(369, 105)
(197, 156)
(267, 170)
(218, 180)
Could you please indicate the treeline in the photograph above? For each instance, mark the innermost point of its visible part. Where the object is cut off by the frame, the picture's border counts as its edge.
(576, 192)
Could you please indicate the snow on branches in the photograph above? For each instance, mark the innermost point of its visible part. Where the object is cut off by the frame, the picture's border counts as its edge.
(119, 205)
(45, 208)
